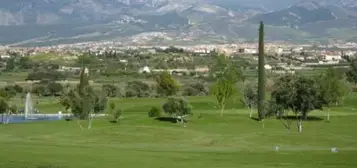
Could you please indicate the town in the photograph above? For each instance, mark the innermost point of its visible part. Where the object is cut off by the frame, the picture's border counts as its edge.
(285, 57)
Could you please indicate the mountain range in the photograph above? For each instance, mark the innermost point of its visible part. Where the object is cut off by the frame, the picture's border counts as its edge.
(47, 22)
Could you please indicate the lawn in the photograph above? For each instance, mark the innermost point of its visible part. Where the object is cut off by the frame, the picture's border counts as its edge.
(208, 141)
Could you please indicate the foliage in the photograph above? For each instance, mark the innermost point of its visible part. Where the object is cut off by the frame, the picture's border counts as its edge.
(45, 88)
(45, 74)
(173, 49)
(223, 90)
(154, 112)
(351, 74)
(10, 91)
(100, 102)
(82, 100)
(333, 87)
(177, 107)
(54, 89)
(114, 112)
(137, 89)
(86, 60)
(18, 62)
(225, 68)
(117, 114)
(272, 108)
(197, 89)
(297, 93)
(110, 90)
(4, 106)
(39, 89)
(261, 73)
(166, 85)
(250, 96)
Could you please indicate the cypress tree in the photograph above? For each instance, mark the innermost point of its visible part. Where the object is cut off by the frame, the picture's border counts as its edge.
(83, 80)
(261, 73)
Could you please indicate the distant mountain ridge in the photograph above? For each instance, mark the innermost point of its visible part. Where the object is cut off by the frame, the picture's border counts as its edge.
(65, 21)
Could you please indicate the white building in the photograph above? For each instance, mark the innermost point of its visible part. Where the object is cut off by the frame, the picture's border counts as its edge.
(145, 69)
(332, 57)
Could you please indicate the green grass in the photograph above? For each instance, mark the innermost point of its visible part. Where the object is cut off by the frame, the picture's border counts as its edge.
(209, 141)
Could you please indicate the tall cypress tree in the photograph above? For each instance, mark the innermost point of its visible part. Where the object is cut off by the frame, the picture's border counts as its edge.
(261, 73)
(83, 81)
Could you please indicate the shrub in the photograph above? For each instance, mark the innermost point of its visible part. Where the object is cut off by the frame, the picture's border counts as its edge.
(39, 90)
(154, 112)
(117, 114)
(178, 107)
(137, 89)
(55, 89)
(110, 90)
(197, 89)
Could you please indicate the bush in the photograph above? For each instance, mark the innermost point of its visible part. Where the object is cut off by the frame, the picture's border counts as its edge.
(154, 112)
(39, 90)
(197, 89)
(137, 89)
(117, 114)
(177, 107)
(111, 90)
(46, 75)
(55, 89)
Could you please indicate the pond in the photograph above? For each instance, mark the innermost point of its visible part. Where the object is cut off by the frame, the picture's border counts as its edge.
(22, 119)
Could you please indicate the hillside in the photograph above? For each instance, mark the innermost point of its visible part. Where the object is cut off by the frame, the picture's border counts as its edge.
(44, 22)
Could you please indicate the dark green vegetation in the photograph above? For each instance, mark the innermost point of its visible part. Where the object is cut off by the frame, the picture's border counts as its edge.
(261, 73)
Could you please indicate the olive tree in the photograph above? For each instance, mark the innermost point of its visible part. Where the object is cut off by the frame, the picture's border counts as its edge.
(299, 94)
(179, 108)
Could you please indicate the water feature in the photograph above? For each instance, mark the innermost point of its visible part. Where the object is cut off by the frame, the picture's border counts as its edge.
(29, 110)
(31, 114)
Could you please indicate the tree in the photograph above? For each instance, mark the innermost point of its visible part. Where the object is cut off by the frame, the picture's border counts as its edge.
(82, 100)
(333, 88)
(351, 74)
(10, 64)
(100, 102)
(54, 88)
(3, 108)
(115, 112)
(219, 66)
(25, 63)
(177, 107)
(223, 90)
(250, 97)
(261, 73)
(195, 90)
(110, 90)
(299, 94)
(137, 89)
(166, 84)
(12, 110)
